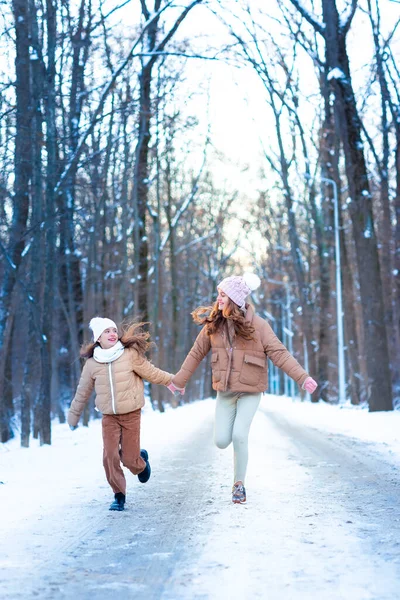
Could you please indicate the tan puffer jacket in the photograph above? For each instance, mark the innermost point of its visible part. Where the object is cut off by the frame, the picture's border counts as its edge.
(118, 385)
(242, 366)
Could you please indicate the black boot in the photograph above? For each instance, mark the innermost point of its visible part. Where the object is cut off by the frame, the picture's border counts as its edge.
(145, 474)
(119, 502)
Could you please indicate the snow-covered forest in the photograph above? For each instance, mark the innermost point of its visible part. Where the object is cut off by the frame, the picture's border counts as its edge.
(149, 149)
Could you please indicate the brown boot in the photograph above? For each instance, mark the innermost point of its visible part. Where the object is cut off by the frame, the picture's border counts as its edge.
(238, 493)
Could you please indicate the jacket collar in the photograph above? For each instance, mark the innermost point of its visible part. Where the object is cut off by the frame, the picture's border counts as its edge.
(249, 313)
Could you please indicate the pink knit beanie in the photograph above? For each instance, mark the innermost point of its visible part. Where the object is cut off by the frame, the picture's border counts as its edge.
(237, 288)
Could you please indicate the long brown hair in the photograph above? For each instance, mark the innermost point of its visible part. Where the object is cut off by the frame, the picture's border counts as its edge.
(132, 336)
(213, 318)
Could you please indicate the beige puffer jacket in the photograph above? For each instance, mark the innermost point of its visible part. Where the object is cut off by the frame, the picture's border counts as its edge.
(118, 385)
(241, 366)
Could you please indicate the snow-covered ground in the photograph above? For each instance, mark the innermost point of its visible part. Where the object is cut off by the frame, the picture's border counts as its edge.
(379, 428)
(322, 518)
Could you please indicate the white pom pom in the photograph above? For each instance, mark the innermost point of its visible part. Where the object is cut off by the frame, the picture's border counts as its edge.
(93, 322)
(252, 281)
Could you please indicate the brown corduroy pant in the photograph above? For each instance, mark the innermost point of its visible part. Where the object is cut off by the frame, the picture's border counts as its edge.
(121, 443)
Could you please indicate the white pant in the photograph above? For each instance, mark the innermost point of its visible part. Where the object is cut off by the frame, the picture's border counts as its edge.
(234, 413)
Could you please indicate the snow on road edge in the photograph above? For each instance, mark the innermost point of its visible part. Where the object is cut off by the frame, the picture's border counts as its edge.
(379, 428)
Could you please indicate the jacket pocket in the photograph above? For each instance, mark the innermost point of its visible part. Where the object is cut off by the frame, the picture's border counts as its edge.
(215, 367)
(253, 369)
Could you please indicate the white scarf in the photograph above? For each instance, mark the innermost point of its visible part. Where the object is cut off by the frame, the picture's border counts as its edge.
(108, 355)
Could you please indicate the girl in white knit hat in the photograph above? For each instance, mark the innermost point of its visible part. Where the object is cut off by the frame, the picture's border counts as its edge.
(240, 342)
(115, 368)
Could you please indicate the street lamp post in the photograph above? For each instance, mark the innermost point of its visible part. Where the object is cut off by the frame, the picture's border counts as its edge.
(339, 302)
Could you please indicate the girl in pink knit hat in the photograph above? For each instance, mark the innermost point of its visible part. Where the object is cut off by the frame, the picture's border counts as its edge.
(240, 342)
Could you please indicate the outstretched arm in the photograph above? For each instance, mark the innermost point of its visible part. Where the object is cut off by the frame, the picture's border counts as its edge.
(198, 351)
(281, 357)
(146, 370)
(82, 395)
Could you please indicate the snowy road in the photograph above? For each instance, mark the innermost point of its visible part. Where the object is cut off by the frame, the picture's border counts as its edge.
(322, 519)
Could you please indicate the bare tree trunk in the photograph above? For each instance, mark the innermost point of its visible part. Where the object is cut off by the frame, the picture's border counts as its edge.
(32, 370)
(360, 208)
(140, 193)
(172, 260)
(395, 112)
(157, 391)
(127, 163)
(6, 400)
(385, 231)
(23, 172)
(51, 178)
(141, 169)
(397, 236)
(71, 280)
(352, 342)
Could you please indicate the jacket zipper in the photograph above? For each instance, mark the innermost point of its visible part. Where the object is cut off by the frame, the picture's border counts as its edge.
(228, 371)
(112, 388)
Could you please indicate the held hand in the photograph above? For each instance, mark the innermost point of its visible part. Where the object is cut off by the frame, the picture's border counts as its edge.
(73, 427)
(175, 390)
(310, 385)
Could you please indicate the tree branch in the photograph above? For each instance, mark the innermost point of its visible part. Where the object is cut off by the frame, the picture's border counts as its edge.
(320, 27)
(348, 19)
(73, 160)
(182, 54)
(145, 10)
(186, 203)
(30, 299)
(172, 32)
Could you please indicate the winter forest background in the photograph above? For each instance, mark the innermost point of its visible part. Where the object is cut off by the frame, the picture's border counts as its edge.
(148, 149)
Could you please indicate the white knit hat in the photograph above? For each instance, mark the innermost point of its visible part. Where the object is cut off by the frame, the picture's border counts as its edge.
(99, 324)
(237, 288)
